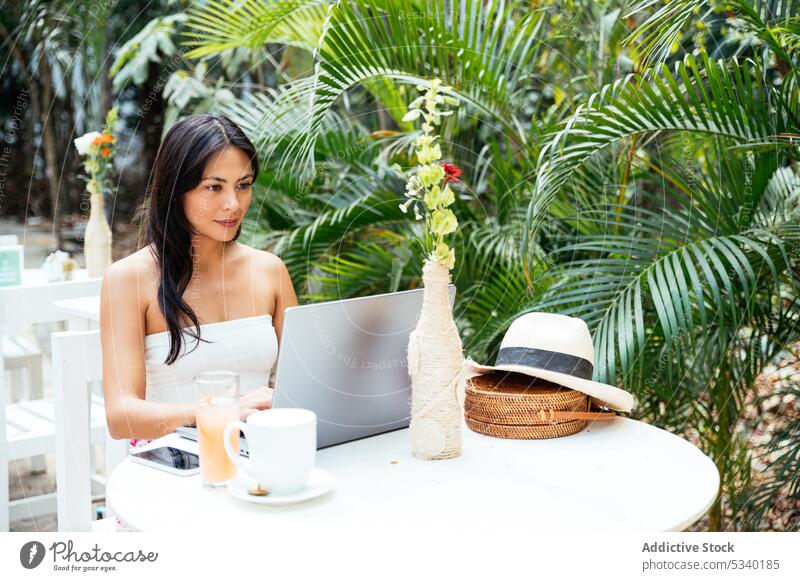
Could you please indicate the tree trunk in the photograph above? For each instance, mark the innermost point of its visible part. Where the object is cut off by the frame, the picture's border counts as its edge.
(105, 105)
(36, 115)
(29, 154)
(105, 79)
(49, 139)
(69, 162)
(151, 120)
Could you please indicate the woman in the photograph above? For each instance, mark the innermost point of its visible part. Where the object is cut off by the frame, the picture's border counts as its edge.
(192, 299)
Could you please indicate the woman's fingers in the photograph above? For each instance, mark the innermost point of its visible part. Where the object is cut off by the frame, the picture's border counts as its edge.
(258, 399)
(270, 395)
(262, 398)
(244, 412)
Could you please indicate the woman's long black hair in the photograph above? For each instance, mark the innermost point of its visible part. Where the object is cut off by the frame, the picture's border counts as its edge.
(178, 168)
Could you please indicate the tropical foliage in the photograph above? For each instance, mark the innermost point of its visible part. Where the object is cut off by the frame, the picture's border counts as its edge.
(633, 166)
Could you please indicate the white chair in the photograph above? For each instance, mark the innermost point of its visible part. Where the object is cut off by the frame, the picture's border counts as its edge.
(28, 426)
(4, 509)
(37, 437)
(44, 420)
(21, 354)
(77, 362)
(21, 306)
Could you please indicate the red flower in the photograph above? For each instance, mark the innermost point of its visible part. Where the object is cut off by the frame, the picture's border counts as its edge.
(451, 173)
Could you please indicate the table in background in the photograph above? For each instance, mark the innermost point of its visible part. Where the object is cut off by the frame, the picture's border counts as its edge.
(32, 301)
(83, 313)
(36, 276)
(622, 474)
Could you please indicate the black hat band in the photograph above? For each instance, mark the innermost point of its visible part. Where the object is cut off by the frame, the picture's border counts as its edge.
(544, 359)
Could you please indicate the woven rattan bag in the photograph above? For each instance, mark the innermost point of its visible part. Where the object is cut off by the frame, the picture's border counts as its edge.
(513, 405)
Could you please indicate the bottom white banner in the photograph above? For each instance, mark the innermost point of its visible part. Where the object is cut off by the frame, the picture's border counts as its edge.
(425, 551)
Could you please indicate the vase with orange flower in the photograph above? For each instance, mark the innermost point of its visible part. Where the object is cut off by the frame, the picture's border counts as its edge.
(98, 149)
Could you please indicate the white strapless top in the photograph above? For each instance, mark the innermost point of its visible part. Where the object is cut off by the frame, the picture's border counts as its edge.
(248, 346)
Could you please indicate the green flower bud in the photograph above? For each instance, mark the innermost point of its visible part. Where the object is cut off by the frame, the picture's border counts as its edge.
(443, 222)
(427, 154)
(443, 253)
(430, 174)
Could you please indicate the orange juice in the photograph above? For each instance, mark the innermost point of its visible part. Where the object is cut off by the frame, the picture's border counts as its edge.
(212, 417)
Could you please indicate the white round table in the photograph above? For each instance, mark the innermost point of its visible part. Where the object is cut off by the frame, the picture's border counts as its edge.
(622, 474)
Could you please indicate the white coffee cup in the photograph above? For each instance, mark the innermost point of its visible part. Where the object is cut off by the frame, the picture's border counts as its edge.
(282, 444)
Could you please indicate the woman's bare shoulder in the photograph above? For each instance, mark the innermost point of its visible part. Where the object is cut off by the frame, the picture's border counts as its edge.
(262, 258)
(136, 273)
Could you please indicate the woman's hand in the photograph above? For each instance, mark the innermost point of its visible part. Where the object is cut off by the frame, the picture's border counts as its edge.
(258, 399)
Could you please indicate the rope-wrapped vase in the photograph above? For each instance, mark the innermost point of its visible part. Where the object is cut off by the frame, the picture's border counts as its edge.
(435, 362)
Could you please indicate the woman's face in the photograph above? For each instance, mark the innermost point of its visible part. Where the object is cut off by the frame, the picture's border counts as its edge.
(215, 208)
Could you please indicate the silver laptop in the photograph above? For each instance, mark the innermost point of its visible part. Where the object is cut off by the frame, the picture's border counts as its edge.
(346, 361)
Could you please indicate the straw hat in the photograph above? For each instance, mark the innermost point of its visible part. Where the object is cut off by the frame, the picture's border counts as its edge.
(556, 348)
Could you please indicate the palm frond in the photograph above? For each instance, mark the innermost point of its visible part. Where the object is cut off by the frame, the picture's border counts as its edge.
(667, 271)
(475, 46)
(766, 20)
(490, 304)
(369, 268)
(302, 246)
(656, 38)
(269, 116)
(149, 45)
(725, 100)
(220, 25)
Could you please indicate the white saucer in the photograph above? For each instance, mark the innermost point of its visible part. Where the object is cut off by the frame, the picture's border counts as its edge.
(320, 482)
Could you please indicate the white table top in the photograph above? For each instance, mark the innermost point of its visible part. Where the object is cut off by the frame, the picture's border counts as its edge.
(84, 307)
(36, 276)
(621, 474)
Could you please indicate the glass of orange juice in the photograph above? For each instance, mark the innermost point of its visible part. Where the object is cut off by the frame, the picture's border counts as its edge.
(219, 406)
